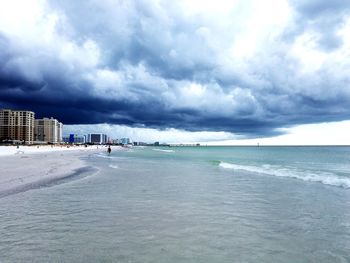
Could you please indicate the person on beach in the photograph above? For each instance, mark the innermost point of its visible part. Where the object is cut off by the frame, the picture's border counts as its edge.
(109, 150)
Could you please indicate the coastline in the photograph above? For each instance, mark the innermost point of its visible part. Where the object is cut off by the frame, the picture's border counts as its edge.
(30, 167)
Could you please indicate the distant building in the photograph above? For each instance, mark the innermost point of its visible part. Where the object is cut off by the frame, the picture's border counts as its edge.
(59, 132)
(125, 141)
(97, 138)
(17, 126)
(156, 144)
(115, 141)
(48, 130)
(140, 144)
(74, 138)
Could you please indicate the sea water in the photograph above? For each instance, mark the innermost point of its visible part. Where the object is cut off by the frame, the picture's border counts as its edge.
(188, 204)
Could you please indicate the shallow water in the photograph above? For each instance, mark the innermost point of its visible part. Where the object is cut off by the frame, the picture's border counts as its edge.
(189, 204)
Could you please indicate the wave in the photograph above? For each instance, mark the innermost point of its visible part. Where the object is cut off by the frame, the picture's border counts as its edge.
(326, 178)
(161, 150)
(113, 166)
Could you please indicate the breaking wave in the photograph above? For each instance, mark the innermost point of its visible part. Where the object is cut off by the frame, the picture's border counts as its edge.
(326, 178)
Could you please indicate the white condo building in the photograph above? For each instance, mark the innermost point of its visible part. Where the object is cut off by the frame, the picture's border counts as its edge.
(48, 130)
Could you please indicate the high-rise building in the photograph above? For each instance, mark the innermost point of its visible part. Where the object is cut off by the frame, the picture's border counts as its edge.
(48, 130)
(97, 138)
(74, 138)
(59, 132)
(17, 125)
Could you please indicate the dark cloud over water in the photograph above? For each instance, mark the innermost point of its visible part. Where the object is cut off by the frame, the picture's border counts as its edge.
(248, 68)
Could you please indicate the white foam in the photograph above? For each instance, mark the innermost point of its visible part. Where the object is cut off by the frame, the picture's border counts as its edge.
(326, 178)
(113, 166)
(162, 150)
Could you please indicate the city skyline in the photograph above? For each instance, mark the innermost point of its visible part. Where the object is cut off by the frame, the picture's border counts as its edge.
(229, 72)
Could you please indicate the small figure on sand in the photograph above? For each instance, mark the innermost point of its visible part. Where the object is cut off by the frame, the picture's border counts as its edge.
(109, 150)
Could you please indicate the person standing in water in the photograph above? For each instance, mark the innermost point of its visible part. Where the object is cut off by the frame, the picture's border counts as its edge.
(109, 150)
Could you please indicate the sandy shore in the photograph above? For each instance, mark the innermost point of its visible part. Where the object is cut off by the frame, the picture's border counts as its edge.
(30, 167)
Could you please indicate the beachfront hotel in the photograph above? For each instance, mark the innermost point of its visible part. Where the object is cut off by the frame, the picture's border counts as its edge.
(48, 130)
(16, 125)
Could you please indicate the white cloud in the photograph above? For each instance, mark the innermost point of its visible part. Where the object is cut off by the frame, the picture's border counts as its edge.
(147, 134)
(336, 133)
(310, 134)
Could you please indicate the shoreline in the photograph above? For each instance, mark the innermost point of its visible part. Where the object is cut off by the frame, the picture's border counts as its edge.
(30, 168)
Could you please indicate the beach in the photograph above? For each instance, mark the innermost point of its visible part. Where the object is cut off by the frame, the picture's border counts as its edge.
(30, 167)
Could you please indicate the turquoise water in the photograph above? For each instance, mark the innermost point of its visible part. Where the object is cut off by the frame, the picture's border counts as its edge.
(188, 204)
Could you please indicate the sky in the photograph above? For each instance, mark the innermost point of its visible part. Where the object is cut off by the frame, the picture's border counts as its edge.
(216, 72)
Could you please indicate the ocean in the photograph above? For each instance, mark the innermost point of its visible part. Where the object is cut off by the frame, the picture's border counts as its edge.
(188, 204)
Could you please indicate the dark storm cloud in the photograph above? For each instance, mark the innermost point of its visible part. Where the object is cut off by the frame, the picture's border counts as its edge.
(145, 63)
(9, 77)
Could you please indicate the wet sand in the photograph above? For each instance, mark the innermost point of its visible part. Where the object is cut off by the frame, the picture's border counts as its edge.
(30, 167)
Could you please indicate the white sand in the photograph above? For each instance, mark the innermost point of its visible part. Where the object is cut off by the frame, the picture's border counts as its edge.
(31, 167)
(13, 150)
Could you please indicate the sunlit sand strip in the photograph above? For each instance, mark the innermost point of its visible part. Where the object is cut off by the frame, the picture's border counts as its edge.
(30, 167)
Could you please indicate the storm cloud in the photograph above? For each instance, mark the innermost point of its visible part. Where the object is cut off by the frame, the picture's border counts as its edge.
(245, 67)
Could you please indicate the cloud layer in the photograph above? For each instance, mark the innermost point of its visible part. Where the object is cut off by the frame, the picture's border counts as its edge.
(246, 67)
